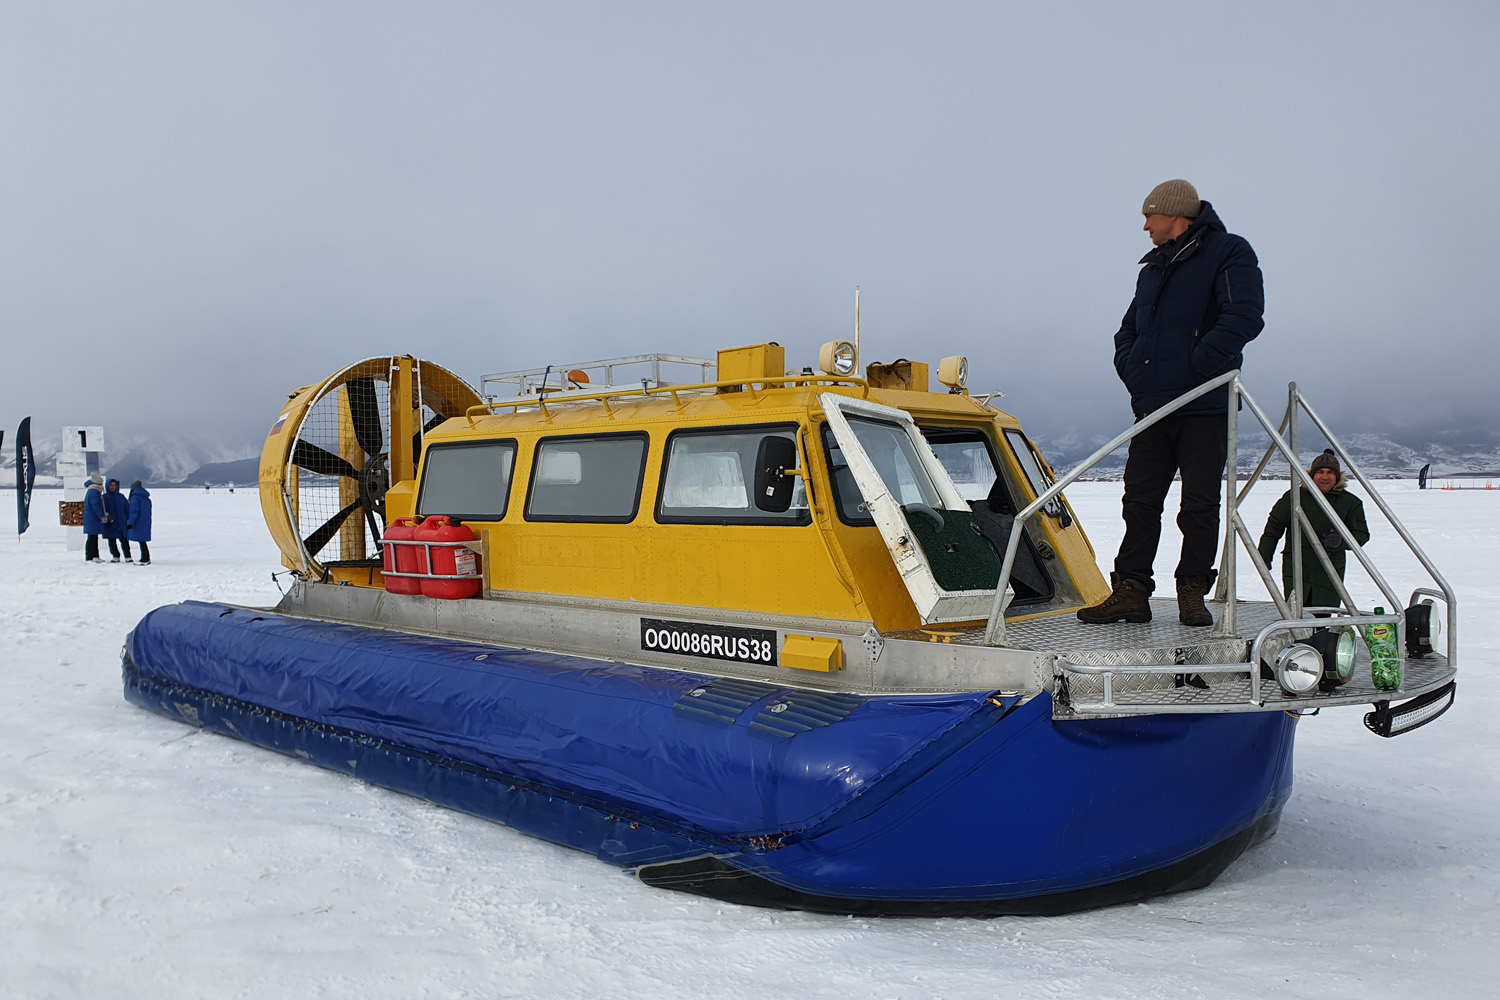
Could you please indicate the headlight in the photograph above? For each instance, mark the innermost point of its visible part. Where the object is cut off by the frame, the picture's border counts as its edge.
(954, 372)
(1336, 646)
(1299, 668)
(837, 358)
(1424, 629)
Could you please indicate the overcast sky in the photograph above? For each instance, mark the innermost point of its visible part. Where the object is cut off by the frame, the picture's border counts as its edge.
(203, 205)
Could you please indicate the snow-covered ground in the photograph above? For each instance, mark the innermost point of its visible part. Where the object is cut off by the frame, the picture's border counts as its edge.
(140, 858)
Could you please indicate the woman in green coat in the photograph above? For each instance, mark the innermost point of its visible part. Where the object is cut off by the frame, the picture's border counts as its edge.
(1317, 589)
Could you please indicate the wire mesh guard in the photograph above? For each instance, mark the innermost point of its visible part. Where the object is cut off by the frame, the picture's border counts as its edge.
(340, 470)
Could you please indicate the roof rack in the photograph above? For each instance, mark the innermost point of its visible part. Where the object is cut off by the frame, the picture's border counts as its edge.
(562, 380)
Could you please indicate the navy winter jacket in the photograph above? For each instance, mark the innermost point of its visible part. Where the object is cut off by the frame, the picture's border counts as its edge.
(1198, 302)
(93, 509)
(118, 509)
(138, 524)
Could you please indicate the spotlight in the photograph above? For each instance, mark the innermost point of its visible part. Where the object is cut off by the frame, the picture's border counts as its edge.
(1299, 668)
(1424, 629)
(837, 358)
(954, 372)
(1336, 646)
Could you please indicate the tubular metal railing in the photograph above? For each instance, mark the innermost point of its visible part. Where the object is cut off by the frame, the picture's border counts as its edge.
(1291, 608)
(394, 545)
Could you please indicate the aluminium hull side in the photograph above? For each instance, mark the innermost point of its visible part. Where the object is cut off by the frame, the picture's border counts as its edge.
(962, 803)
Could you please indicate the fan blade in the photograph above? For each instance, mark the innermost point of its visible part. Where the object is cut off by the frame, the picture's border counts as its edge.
(320, 538)
(374, 523)
(324, 463)
(364, 413)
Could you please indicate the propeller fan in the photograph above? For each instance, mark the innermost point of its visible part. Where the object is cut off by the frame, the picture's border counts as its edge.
(368, 481)
(337, 449)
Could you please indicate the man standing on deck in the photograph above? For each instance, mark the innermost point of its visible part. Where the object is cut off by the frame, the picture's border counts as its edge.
(1198, 301)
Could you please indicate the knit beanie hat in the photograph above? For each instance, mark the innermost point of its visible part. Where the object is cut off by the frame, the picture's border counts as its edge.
(1172, 198)
(136, 485)
(96, 479)
(1327, 460)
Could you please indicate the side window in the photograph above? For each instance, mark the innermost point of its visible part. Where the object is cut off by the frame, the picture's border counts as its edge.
(587, 478)
(1036, 475)
(1029, 464)
(708, 475)
(470, 481)
(965, 454)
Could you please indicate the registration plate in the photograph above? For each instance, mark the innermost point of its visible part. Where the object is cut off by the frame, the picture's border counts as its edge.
(716, 642)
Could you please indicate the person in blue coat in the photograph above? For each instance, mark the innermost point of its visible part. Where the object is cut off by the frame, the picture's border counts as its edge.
(117, 511)
(93, 517)
(138, 520)
(1199, 300)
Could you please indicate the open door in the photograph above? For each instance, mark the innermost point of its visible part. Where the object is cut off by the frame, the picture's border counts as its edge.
(947, 566)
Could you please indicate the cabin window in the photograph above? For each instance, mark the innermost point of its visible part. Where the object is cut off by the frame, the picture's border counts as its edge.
(1031, 466)
(708, 476)
(587, 478)
(469, 481)
(1036, 474)
(965, 454)
(894, 457)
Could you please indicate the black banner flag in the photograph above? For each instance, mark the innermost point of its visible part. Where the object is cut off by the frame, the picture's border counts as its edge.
(25, 476)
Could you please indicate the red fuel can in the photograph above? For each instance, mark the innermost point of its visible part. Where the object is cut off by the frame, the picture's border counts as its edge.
(449, 560)
(403, 558)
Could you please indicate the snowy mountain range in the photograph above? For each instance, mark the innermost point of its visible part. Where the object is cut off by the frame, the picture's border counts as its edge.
(183, 460)
(1397, 455)
(169, 460)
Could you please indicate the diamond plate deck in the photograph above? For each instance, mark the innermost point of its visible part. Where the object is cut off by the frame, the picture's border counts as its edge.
(1164, 641)
(1158, 692)
(1161, 640)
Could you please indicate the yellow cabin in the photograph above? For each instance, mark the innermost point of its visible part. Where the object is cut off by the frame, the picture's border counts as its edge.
(734, 492)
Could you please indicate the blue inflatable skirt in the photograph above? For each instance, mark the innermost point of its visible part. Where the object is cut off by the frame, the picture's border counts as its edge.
(967, 803)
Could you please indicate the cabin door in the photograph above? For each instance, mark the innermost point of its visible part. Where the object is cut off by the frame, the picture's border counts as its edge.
(948, 568)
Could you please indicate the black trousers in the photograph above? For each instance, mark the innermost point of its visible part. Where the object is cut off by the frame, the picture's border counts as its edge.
(115, 551)
(91, 547)
(145, 552)
(1195, 445)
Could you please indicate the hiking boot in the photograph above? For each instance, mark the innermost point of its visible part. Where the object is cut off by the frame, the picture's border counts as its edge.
(1129, 601)
(1190, 607)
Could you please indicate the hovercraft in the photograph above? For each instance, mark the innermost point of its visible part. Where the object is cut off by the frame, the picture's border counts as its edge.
(796, 638)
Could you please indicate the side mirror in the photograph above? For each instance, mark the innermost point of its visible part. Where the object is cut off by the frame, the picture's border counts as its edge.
(773, 486)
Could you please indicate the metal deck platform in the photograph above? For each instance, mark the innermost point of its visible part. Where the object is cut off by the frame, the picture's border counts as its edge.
(1221, 683)
(1161, 640)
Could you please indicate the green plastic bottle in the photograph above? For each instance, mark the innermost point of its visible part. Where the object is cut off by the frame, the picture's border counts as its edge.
(1385, 656)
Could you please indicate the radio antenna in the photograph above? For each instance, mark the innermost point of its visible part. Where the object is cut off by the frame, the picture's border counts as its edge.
(856, 328)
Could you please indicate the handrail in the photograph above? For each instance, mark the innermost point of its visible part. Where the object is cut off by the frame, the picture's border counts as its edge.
(1306, 480)
(1235, 526)
(1220, 591)
(994, 632)
(1328, 567)
(644, 390)
(1449, 597)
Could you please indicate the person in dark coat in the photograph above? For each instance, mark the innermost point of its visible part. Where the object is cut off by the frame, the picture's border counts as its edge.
(138, 520)
(117, 510)
(1198, 302)
(1317, 590)
(93, 517)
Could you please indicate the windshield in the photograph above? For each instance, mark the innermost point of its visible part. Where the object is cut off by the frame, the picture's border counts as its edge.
(895, 458)
(965, 455)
